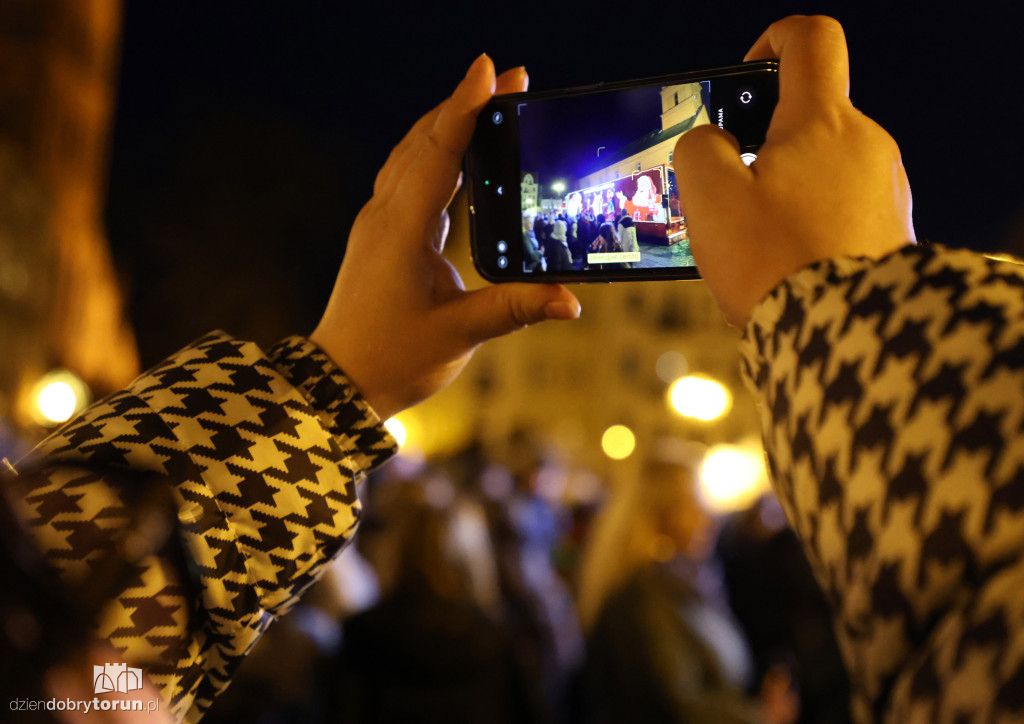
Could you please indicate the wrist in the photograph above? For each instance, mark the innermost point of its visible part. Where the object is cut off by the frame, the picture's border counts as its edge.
(376, 398)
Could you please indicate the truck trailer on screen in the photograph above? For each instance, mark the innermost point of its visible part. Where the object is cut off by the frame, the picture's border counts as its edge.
(650, 197)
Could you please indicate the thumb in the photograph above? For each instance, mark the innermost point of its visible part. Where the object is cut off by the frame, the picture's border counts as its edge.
(503, 308)
(707, 160)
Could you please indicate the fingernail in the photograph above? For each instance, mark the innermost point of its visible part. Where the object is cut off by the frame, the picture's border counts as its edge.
(522, 77)
(562, 310)
(478, 67)
(475, 63)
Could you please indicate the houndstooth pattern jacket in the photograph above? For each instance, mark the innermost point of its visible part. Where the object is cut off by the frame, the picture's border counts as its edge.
(892, 398)
(263, 452)
(892, 402)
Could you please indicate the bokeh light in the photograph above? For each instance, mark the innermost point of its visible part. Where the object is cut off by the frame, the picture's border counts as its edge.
(700, 398)
(671, 365)
(618, 442)
(732, 477)
(57, 402)
(397, 430)
(57, 397)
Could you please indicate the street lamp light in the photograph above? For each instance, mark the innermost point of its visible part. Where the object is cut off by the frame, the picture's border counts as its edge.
(57, 397)
(699, 397)
(618, 442)
(732, 477)
(558, 187)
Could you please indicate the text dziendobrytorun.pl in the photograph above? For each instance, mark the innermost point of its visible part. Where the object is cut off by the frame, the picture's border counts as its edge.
(85, 706)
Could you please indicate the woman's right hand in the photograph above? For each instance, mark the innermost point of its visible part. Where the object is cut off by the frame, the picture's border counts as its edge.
(828, 181)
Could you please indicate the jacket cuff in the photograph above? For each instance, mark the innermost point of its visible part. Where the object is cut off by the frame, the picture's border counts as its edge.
(341, 407)
(810, 302)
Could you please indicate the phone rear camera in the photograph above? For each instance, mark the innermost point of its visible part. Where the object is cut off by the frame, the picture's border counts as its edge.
(502, 262)
(497, 118)
(502, 247)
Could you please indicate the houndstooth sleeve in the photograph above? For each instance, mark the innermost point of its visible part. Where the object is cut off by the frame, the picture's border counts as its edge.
(263, 452)
(892, 403)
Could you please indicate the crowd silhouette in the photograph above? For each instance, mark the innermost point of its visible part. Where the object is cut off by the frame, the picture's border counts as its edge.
(487, 592)
(561, 242)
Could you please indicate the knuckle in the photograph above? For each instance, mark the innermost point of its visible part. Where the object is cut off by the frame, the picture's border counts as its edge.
(695, 137)
(518, 314)
(385, 174)
(822, 24)
(380, 182)
(433, 143)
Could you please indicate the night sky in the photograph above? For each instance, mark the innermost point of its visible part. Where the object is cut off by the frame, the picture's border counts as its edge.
(248, 135)
(561, 137)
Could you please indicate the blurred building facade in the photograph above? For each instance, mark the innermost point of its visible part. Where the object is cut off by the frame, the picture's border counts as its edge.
(566, 383)
(60, 299)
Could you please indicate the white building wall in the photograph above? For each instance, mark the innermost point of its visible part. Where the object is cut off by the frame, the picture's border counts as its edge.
(678, 103)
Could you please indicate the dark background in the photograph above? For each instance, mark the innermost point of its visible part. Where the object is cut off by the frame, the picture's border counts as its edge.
(247, 135)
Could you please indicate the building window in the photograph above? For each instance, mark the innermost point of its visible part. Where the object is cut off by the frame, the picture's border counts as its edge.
(673, 316)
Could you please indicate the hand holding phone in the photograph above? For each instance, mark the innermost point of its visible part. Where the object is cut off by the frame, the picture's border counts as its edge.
(399, 321)
(829, 181)
(581, 184)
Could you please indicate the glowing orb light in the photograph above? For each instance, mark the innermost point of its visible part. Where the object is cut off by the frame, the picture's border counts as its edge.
(57, 397)
(618, 442)
(700, 398)
(732, 477)
(397, 430)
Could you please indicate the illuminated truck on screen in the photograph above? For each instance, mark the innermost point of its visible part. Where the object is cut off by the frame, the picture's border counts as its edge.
(650, 197)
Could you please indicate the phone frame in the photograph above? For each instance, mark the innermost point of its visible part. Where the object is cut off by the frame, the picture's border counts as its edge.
(490, 167)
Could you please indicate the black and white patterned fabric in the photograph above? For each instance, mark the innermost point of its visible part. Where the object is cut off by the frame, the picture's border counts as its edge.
(892, 401)
(263, 452)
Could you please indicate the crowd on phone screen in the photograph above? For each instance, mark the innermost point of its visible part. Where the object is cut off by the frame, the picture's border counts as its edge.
(561, 242)
(482, 592)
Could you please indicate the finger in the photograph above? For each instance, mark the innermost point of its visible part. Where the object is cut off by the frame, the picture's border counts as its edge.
(708, 169)
(514, 80)
(441, 234)
(504, 308)
(445, 279)
(906, 203)
(397, 159)
(814, 66)
(426, 182)
(458, 187)
(511, 81)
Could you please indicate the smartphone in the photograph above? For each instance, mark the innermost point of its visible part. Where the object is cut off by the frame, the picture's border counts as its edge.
(579, 185)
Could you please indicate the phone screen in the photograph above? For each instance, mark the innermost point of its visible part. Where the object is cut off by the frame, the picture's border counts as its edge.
(582, 185)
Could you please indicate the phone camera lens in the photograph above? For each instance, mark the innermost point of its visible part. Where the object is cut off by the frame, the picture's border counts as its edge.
(502, 262)
(502, 247)
(497, 118)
